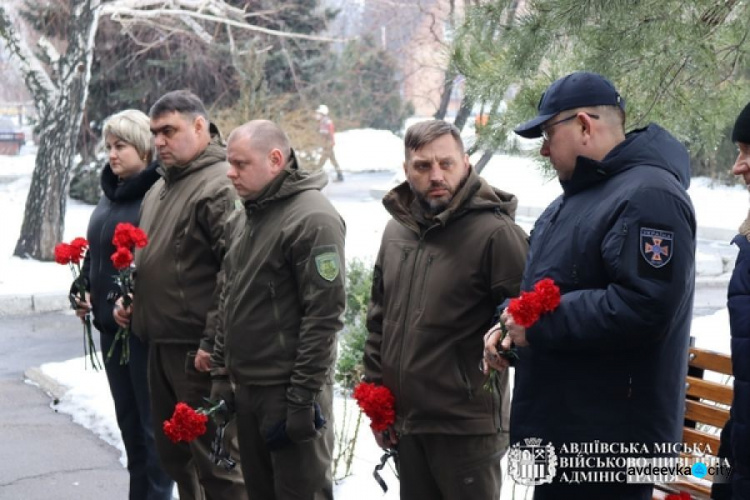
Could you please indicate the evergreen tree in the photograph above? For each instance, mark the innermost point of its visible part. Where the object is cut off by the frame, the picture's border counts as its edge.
(678, 64)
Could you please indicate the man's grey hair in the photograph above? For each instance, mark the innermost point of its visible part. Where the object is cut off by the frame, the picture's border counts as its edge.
(422, 133)
(131, 126)
(180, 101)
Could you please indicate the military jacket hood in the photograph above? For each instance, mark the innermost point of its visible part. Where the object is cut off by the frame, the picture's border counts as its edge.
(652, 146)
(475, 194)
(291, 181)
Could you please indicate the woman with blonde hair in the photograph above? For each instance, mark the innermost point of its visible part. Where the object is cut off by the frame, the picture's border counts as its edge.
(129, 173)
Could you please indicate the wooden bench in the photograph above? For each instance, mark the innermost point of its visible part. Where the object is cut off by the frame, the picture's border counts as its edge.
(708, 397)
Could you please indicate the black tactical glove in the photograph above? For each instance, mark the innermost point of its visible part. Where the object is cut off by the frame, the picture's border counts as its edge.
(303, 416)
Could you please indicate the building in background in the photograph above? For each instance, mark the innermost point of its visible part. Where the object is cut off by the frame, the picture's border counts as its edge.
(417, 33)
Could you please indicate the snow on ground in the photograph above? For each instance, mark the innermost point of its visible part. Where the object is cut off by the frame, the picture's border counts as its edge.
(364, 150)
(88, 400)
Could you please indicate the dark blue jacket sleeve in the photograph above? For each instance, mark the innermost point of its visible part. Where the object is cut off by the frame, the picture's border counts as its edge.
(636, 307)
(739, 320)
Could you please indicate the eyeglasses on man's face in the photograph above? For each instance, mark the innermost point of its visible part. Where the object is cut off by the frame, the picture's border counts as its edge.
(546, 128)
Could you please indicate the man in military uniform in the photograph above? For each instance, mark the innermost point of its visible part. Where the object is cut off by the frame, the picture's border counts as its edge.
(281, 308)
(175, 299)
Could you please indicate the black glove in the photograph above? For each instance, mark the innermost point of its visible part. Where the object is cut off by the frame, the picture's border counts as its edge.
(303, 420)
(221, 389)
(300, 422)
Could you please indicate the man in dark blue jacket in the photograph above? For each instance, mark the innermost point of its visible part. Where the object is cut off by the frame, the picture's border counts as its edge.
(601, 378)
(735, 438)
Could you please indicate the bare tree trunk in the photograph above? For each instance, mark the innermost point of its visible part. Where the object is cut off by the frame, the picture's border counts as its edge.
(483, 160)
(445, 98)
(60, 101)
(463, 112)
(44, 216)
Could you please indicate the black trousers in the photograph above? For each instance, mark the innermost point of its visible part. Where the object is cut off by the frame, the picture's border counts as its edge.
(129, 387)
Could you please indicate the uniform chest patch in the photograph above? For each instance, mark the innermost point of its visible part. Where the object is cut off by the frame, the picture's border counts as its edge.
(328, 265)
(657, 246)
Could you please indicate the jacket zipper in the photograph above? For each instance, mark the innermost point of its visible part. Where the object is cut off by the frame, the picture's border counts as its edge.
(542, 244)
(276, 316)
(407, 316)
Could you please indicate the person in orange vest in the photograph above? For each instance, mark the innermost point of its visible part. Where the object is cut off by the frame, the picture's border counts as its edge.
(327, 132)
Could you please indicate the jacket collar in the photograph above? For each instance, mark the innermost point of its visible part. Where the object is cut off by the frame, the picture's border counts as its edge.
(474, 194)
(290, 181)
(132, 188)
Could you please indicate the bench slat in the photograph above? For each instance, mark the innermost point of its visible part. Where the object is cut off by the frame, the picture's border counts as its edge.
(709, 360)
(712, 391)
(706, 414)
(694, 436)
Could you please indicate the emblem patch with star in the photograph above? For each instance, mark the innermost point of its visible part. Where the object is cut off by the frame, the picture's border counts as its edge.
(656, 247)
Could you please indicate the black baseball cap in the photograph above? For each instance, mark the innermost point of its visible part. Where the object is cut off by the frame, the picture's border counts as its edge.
(577, 90)
(741, 130)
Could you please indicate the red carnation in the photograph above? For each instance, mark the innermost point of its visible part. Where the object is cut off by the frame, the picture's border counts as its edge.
(525, 309)
(548, 293)
(127, 236)
(186, 424)
(62, 253)
(71, 254)
(122, 258)
(77, 248)
(378, 403)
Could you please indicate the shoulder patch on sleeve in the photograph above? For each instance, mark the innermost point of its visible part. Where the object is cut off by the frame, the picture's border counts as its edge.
(656, 246)
(328, 264)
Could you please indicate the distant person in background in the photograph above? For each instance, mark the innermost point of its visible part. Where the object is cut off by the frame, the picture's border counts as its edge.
(124, 180)
(326, 132)
(735, 438)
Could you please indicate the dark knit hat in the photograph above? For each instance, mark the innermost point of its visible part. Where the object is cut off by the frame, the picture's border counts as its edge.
(741, 130)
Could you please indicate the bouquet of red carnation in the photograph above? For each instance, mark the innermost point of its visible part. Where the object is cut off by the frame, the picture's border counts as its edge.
(526, 310)
(188, 424)
(71, 254)
(126, 238)
(378, 403)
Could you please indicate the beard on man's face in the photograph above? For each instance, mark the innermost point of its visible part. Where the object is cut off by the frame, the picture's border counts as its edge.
(431, 205)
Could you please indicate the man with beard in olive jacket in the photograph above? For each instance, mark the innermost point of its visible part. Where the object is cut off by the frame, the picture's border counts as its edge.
(281, 307)
(449, 256)
(175, 301)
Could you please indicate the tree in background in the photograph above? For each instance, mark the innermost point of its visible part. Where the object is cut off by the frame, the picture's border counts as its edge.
(58, 77)
(679, 64)
(363, 89)
(59, 91)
